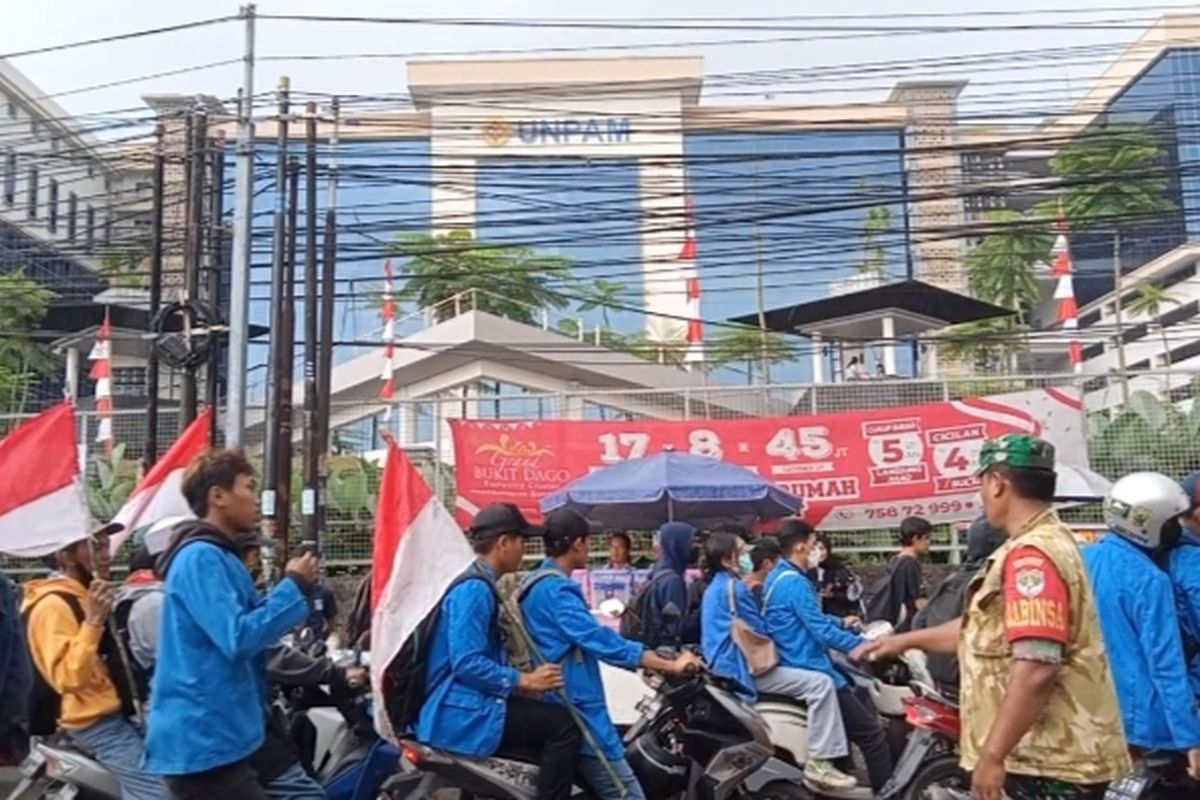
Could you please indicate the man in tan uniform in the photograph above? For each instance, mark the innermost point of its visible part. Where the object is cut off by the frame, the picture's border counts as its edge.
(1040, 714)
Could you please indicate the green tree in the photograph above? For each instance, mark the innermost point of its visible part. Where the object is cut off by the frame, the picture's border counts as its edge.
(1150, 301)
(1113, 178)
(603, 295)
(754, 346)
(23, 361)
(1001, 269)
(877, 223)
(127, 266)
(509, 281)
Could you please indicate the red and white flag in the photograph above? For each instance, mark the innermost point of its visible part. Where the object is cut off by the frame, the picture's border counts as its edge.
(160, 493)
(42, 504)
(419, 550)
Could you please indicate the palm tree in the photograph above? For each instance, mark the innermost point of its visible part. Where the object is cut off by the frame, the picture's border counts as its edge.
(734, 343)
(1149, 302)
(23, 360)
(510, 281)
(877, 223)
(1001, 269)
(1113, 178)
(603, 295)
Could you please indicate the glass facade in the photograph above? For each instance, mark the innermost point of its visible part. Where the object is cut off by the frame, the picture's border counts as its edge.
(383, 191)
(587, 211)
(1166, 100)
(797, 212)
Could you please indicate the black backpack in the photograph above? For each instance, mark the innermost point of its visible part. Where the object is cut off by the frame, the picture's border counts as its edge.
(404, 676)
(138, 676)
(635, 622)
(45, 706)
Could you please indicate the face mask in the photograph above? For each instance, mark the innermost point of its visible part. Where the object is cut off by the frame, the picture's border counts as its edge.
(745, 565)
(814, 559)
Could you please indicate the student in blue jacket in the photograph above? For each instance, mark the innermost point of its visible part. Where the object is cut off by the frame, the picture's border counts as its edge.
(728, 598)
(673, 622)
(476, 703)
(208, 697)
(804, 635)
(1136, 605)
(566, 632)
(1184, 565)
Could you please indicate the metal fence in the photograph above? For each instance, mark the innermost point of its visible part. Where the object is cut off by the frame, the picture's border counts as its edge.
(1158, 429)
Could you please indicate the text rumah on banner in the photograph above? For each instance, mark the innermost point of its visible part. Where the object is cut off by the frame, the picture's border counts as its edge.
(855, 470)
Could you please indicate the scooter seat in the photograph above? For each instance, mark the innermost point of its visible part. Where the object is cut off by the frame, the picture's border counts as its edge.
(785, 699)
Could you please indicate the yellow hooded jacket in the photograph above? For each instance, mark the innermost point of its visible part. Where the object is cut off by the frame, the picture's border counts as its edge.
(67, 653)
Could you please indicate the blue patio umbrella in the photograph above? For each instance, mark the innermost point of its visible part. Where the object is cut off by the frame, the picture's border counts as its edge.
(646, 492)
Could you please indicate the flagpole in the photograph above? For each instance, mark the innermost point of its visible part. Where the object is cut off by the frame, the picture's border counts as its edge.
(150, 449)
(272, 428)
(308, 499)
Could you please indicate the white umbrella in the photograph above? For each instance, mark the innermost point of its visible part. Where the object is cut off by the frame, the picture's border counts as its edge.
(1079, 485)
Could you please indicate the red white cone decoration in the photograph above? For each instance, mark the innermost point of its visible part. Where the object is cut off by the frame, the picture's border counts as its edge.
(101, 373)
(389, 332)
(1064, 293)
(695, 328)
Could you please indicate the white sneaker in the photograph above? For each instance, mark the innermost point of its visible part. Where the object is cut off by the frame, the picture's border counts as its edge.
(823, 773)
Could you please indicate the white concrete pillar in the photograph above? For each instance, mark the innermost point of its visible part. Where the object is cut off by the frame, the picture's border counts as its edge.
(930, 361)
(889, 345)
(818, 358)
(71, 381)
(452, 199)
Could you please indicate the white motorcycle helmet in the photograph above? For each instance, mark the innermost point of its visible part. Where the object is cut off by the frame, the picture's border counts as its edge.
(1144, 507)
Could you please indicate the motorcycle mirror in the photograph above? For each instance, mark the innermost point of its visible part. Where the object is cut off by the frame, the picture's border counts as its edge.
(877, 630)
(613, 607)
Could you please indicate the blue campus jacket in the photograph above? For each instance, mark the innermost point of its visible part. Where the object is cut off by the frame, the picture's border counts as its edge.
(467, 678)
(1184, 566)
(723, 655)
(1136, 605)
(803, 633)
(671, 622)
(208, 697)
(566, 632)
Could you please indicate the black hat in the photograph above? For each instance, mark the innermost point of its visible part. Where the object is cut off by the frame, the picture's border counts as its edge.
(499, 519)
(566, 525)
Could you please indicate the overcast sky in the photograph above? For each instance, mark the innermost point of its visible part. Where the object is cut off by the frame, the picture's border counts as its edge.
(41, 23)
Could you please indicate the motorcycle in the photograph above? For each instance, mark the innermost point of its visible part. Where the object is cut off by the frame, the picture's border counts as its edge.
(928, 765)
(696, 739)
(1159, 775)
(335, 738)
(58, 769)
(344, 753)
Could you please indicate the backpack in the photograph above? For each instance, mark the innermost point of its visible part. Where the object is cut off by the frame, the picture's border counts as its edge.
(138, 676)
(404, 676)
(45, 706)
(635, 622)
(512, 623)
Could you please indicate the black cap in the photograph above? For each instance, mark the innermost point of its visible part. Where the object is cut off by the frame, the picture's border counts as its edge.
(501, 518)
(567, 524)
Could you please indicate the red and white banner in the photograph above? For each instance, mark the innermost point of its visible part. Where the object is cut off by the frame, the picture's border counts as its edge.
(419, 550)
(855, 470)
(42, 504)
(159, 494)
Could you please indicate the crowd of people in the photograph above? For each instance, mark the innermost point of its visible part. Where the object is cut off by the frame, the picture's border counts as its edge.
(1065, 660)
